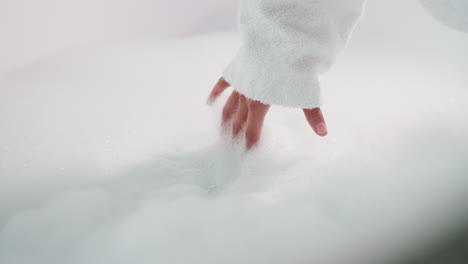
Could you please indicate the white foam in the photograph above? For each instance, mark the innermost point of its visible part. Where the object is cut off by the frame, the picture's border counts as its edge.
(111, 156)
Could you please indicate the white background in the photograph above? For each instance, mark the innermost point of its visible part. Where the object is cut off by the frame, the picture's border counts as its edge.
(30, 29)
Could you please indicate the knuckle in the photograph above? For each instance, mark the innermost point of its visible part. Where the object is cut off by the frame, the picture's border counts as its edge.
(314, 111)
(258, 107)
(253, 105)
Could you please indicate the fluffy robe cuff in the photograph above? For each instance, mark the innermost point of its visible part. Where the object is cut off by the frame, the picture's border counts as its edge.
(286, 44)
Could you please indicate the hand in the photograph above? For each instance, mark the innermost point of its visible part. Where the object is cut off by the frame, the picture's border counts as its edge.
(246, 112)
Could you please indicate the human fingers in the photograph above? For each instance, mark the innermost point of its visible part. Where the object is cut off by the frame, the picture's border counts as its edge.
(230, 107)
(316, 121)
(241, 116)
(255, 119)
(218, 89)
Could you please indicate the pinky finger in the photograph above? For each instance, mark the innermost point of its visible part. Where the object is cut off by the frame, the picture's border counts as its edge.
(316, 121)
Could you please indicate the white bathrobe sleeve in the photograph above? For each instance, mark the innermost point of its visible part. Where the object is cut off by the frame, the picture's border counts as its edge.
(286, 44)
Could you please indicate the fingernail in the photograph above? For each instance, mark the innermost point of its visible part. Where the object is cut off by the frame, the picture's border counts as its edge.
(322, 129)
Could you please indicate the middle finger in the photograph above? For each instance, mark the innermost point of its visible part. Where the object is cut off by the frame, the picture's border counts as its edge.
(241, 116)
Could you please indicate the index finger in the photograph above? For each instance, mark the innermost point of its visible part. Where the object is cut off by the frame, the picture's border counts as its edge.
(219, 88)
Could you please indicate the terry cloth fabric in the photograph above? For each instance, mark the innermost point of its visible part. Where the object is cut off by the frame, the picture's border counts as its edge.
(453, 13)
(286, 44)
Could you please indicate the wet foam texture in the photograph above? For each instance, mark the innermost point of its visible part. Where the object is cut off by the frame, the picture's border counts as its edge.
(110, 155)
